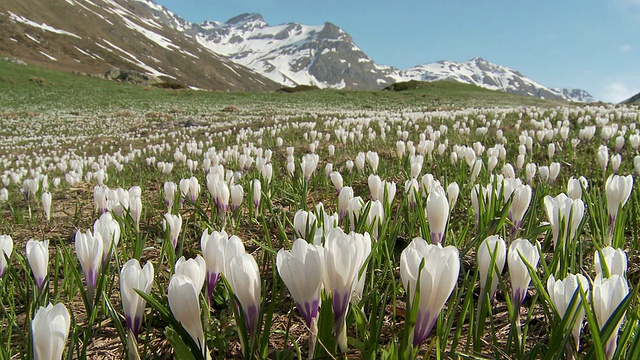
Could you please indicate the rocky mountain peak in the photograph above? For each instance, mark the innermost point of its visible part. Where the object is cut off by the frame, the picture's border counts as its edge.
(247, 20)
(331, 31)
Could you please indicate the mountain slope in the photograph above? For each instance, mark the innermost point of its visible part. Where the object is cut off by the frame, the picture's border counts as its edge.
(326, 56)
(93, 36)
(480, 72)
(632, 100)
(293, 54)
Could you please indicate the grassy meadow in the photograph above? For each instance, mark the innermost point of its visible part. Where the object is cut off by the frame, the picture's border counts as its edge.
(436, 222)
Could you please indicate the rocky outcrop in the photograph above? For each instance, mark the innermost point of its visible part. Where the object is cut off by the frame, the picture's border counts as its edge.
(131, 76)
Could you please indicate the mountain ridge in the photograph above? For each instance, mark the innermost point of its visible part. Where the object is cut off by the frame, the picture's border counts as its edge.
(121, 34)
(326, 56)
(244, 53)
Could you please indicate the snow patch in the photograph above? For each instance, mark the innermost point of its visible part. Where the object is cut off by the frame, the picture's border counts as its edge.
(104, 47)
(185, 52)
(156, 38)
(84, 52)
(134, 60)
(92, 11)
(42, 26)
(32, 38)
(151, 4)
(47, 55)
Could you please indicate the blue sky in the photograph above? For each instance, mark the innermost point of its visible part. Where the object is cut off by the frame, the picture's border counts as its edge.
(589, 44)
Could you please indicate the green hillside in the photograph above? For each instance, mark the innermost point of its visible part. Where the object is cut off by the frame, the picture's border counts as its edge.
(37, 89)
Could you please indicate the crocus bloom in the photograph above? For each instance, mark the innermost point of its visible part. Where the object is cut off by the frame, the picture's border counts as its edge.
(185, 307)
(360, 161)
(563, 214)
(373, 159)
(388, 190)
(561, 292)
(169, 193)
(230, 247)
(244, 279)
(617, 189)
(337, 181)
(291, 168)
(194, 189)
(301, 269)
(194, 268)
(530, 171)
(100, 198)
(475, 170)
(135, 209)
(603, 157)
(109, 230)
(237, 194)
(544, 173)
(29, 188)
(328, 169)
(6, 248)
(574, 189)
(256, 189)
(223, 195)
(38, 257)
(411, 188)
(615, 259)
(437, 214)
(174, 222)
(344, 256)
(50, 330)
(354, 210)
(492, 247)
(375, 217)
(518, 270)
(375, 184)
(607, 295)
(308, 165)
(453, 190)
(349, 165)
(346, 194)
(304, 222)
(554, 170)
(211, 245)
(184, 189)
(400, 148)
(267, 173)
(132, 277)
(46, 204)
(89, 251)
(519, 204)
(616, 160)
(437, 280)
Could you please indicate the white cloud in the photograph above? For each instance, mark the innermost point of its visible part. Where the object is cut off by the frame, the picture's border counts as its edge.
(625, 48)
(618, 91)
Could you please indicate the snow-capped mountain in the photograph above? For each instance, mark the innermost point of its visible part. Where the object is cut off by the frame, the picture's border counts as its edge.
(293, 54)
(480, 72)
(94, 36)
(577, 95)
(326, 56)
(144, 36)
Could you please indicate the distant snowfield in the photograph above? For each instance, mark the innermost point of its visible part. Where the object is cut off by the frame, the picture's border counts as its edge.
(262, 52)
(42, 26)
